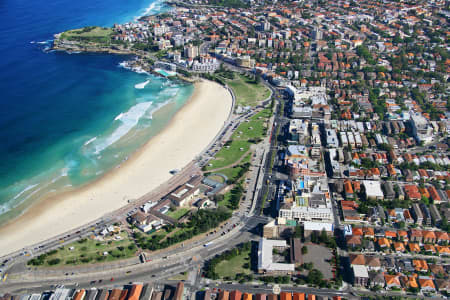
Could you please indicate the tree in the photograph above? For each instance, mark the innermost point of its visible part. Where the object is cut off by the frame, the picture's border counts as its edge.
(314, 276)
(298, 232)
(304, 250)
(323, 238)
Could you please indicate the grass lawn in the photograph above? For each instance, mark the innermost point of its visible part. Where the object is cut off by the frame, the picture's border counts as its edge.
(233, 172)
(254, 129)
(91, 251)
(177, 214)
(248, 93)
(229, 268)
(89, 34)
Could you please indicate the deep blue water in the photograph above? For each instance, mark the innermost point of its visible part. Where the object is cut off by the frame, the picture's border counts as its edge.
(51, 104)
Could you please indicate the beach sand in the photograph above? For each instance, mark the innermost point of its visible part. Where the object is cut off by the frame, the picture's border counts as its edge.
(189, 133)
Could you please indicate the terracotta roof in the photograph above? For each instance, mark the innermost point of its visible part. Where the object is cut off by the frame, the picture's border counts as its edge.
(429, 248)
(390, 234)
(415, 233)
(426, 282)
(443, 249)
(368, 231)
(402, 233)
(427, 234)
(384, 242)
(398, 246)
(414, 247)
(357, 231)
(420, 265)
(373, 261)
(392, 279)
(409, 281)
(357, 259)
(442, 235)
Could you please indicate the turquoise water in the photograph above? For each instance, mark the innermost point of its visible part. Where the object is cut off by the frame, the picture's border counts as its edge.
(66, 119)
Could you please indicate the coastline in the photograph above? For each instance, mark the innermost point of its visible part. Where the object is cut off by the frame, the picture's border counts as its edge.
(187, 135)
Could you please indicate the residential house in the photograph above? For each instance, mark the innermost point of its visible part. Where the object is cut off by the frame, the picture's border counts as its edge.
(353, 241)
(426, 284)
(441, 237)
(373, 263)
(392, 281)
(415, 235)
(414, 247)
(409, 282)
(420, 265)
(428, 236)
(443, 285)
(417, 214)
(399, 247)
(376, 279)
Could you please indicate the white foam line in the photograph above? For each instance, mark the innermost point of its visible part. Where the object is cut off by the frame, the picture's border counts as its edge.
(141, 85)
(24, 190)
(90, 141)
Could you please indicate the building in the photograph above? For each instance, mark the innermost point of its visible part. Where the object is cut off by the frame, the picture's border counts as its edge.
(426, 214)
(304, 213)
(186, 193)
(421, 129)
(360, 275)
(265, 258)
(417, 214)
(310, 227)
(224, 295)
(245, 62)
(373, 190)
(435, 215)
(236, 295)
(191, 51)
(179, 291)
(135, 292)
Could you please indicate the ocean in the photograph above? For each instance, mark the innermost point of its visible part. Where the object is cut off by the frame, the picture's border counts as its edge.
(66, 119)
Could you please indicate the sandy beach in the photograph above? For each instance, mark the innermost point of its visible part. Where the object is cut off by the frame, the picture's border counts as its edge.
(189, 132)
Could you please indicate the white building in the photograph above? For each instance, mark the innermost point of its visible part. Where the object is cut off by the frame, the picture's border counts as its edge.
(305, 213)
(422, 130)
(373, 189)
(265, 257)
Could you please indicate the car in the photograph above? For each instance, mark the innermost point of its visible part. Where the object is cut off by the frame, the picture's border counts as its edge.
(93, 281)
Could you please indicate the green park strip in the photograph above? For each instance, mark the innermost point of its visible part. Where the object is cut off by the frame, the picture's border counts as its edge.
(248, 92)
(246, 134)
(239, 264)
(88, 251)
(91, 34)
(232, 264)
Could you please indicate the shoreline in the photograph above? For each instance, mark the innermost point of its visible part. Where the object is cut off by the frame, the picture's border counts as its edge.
(186, 136)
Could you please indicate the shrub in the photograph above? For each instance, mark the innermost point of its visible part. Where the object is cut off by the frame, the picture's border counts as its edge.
(54, 261)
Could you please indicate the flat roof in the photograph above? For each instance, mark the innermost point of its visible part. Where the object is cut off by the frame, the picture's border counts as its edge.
(373, 188)
(265, 256)
(360, 271)
(318, 226)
